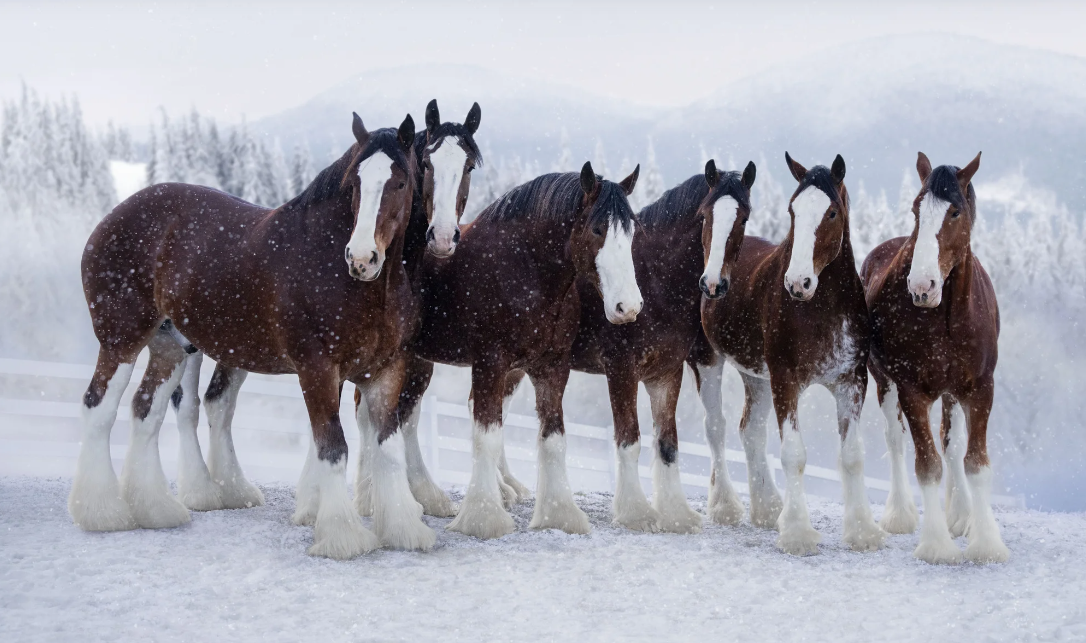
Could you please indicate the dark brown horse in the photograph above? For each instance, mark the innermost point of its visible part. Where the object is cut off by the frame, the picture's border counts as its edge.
(783, 337)
(935, 332)
(689, 242)
(506, 304)
(259, 290)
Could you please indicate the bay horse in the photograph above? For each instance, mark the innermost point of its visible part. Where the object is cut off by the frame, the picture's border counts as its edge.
(935, 334)
(445, 155)
(689, 241)
(179, 268)
(783, 338)
(506, 304)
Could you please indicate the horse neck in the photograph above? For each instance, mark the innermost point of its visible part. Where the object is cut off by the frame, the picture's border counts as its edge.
(960, 280)
(678, 245)
(557, 269)
(414, 238)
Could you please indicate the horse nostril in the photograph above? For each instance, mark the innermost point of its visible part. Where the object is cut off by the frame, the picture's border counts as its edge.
(933, 284)
(703, 283)
(806, 283)
(373, 257)
(430, 235)
(724, 285)
(618, 307)
(456, 236)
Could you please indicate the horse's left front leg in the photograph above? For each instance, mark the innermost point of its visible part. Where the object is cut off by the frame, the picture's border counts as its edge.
(668, 497)
(397, 516)
(797, 536)
(985, 543)
(861, 532)
(554, 506)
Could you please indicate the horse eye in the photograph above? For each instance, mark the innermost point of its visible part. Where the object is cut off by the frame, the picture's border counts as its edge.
(833, 214)
(598, 231)
(401, 186)
(954, 215)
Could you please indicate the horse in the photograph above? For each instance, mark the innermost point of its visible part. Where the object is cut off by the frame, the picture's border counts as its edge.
(445, 154)
(935, 334)
(180, 268)
(507, 304)
(689, 242)
(783, 339)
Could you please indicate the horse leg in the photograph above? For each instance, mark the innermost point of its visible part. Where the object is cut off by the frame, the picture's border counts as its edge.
(482, 513)
(985, 543)
(513, 491)
(765, 498)
(363, 479)
(900, 515)
(337, 530)
(797, 536)
(724, 506)
(935, 544)
(668, 497)
(143, 482)
(860, 531)
(631, 508)
(397, 516)
(554, 506)
(220, 401)
(95, 502)
(195, 489)
(434, 500)
(953, 433)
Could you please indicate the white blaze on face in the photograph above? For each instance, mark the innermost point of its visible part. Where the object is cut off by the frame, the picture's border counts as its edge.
(925, 275)
(448, 163)
(725, 210)
(808, 208)
(614, 263)
(364, 257)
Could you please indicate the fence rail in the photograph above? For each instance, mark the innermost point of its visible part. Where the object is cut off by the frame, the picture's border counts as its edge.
(273, 446)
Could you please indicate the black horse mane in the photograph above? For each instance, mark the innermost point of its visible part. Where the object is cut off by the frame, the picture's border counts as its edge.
(819, 177)
(327, 184)
(681, 202)
(555, 197)
(943, 184)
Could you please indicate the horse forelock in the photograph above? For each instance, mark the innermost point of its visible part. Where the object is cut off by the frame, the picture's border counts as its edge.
(456, 131)
(385, 140)
(612, 208)
(943, 184)
(819, 177)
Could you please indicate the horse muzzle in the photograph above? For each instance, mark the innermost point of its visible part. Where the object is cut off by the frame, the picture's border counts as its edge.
(367, 270)
(801, 288)
(713, 290)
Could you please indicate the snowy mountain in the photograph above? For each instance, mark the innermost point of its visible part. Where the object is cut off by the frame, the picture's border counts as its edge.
(876, 102)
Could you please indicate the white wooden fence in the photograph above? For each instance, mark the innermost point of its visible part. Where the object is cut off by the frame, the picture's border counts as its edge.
(39, 435)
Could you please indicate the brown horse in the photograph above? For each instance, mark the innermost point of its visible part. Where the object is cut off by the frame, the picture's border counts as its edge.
(506, 304)
(259, 290)
(689, 242)
(935, 332)
(783, 338)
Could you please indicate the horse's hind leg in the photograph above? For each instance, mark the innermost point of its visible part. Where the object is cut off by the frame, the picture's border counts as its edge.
(95, 502)
(195, 488)
(900, 516)
(765, 498)
(985, 543)
(724, 506)
(220, 402)
(797, 536)
(434, 500)
(668, 497)
(520, 493)
(860, 531)
(396, 513)
(554, 506)
(935, 544)
(143, 482)
(631, 508)
(954, 439)
(363, 475)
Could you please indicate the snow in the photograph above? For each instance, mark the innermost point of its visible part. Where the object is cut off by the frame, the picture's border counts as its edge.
(244, 574)
(128, 178)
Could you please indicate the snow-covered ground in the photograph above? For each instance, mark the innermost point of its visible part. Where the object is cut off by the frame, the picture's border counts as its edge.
(244, 575)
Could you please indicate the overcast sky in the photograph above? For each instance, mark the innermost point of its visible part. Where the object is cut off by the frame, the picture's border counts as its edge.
(125, 59)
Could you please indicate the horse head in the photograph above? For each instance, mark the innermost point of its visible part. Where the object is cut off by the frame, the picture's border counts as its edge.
(448, 157)
(724, 213)
(380, 177)
(819, 213)
(942, 235)
(602, 243)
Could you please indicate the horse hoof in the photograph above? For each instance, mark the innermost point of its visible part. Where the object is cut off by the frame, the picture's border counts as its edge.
(680, 520)
(509, 494)
(204, 495)
(340, 539)
(101, 512)
(799, 542)
(435, 502)
(482, 518)
(765, 512)
(725, 510)
(157, 510)
(864, 536)
(899, 518)
(643, 518)
(523, 493)
(939, 552)
(239, 493)
(560, 514)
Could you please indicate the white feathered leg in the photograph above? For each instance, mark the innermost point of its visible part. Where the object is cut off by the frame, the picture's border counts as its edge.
(307, 493)
(338, 532)
(434, 500)
(554, 506)
(860, 531)
(765, 498)
(985, 543)
(797, 536)
(482, 513)
(958, 500)
(900, 516)
(631, 507)
(363, 477)
(724, 506)
(935, 546)
(195, 489)
(237, 492)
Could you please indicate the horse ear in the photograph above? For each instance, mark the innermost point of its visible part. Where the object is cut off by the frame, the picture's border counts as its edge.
(748, 174)
(407, 134)
(923, 166)
(630, 182)
(797, 170)
(837, 170)
(433, 117)
(965, 175)
(471, 123)
(360, 133)
(711, 175)
(588, 178)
